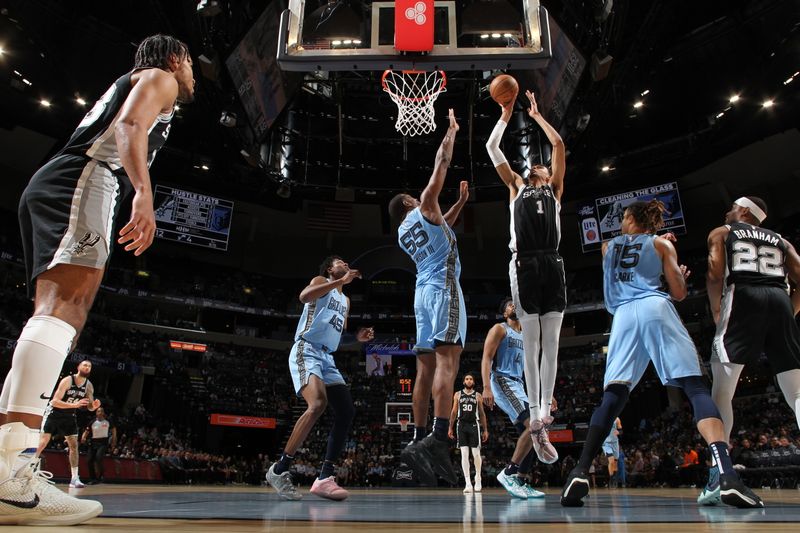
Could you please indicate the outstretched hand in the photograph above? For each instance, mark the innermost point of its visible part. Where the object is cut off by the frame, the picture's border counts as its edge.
(533, 110)
(452, 117)
(365, 334)
(685, 271)
(463, 191)
(350, 276)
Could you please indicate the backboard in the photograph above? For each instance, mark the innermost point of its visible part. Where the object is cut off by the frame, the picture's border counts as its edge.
(396, 411)
(458, 44)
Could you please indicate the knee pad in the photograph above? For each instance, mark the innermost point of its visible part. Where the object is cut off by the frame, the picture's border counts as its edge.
(614, 399)
(699, 396)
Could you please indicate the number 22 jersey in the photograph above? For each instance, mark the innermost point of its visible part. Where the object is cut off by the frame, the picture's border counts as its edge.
(755, 256)
(433, 249)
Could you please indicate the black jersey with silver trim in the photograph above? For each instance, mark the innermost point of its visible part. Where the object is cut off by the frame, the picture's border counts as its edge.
(755, 256)
(535, 220)
(468, 407)
(95, 136)
(73, 395)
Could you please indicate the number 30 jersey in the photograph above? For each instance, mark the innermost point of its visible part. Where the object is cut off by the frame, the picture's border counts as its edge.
(632, 269)
(322, 321)
(755, 256)
(432, 248)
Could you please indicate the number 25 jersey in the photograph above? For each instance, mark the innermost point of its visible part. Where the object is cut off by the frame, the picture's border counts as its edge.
(754, 256)
(322, 321)
(432, 248)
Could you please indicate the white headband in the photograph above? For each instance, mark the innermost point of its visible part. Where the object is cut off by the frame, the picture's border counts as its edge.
(754, 209)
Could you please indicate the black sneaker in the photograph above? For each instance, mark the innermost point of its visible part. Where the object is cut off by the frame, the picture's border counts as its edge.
(734, 492)
(431, 454)
(415, 457)
(576, 487)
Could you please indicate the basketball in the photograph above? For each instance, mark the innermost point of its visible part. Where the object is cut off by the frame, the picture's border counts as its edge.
(503, 89)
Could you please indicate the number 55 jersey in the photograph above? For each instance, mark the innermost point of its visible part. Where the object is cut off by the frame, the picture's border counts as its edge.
(756, 313)
(438, 301)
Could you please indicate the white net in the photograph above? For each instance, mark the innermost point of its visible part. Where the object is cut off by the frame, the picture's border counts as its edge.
(414, 92)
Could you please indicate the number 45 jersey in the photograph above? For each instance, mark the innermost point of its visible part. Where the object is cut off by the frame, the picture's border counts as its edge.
(432, 248)
(632, 270)
(322, 321)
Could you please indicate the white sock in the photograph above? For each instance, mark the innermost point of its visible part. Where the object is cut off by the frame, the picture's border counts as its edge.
(789, 383)
(16, 440)
(465, 464)
(74, 470)
(726, 377)
(476, 458)
(41, 350)
(551, 331)
(530, 341)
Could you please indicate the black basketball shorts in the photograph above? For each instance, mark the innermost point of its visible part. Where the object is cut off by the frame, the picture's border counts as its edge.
(468, 434)
(538, 284)
(67, 213)
(754, 320)
(60, 424)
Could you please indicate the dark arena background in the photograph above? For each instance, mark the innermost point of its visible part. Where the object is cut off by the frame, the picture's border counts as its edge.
(290, 153)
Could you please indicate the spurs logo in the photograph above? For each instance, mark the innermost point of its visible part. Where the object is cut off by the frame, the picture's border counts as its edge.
(88, 240)
(417, 13)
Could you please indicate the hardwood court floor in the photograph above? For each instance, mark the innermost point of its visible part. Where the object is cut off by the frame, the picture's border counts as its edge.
(129, 508)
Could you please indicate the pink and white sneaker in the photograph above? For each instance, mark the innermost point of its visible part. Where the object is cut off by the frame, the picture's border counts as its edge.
(328, 488)
(545, 451)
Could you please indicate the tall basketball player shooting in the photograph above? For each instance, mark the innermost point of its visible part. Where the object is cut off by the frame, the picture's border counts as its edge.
(469, 427)
(538, 286)
(316, 377)
(66, 215)
(425, 234)
(746, 282)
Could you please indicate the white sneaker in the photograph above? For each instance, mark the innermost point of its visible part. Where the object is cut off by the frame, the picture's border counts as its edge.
(76, 483)
(468, 489)
(478, 486)
(541, 442)
(31, 499)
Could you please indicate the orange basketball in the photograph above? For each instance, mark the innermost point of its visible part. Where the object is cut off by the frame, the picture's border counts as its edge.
(503, 89)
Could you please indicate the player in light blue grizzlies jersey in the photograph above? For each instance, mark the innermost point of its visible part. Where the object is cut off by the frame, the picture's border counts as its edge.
(426, 235)
(646, 327)
(321, 328)
(502, 370)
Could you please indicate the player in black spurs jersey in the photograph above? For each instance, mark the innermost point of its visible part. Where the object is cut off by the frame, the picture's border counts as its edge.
(66, 217)
(469, 421)
(537, 270)
(746, 282)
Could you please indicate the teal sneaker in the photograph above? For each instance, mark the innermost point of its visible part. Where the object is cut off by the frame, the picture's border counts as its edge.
(710, 495)
(513, 485)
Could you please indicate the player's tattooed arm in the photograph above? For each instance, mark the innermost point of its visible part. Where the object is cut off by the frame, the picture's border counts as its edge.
(429, 200)
(792, 262)
(463, 195)
(94, 403)
(453, 416)
(715, 274)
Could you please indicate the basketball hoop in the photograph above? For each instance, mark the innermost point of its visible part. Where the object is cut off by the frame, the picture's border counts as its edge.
(404, 424)
(414, 92)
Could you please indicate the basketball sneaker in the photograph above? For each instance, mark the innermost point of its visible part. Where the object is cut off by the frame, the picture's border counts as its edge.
(576, 488)
(541, 442)
(530, 491)
(468, 489)
(734, 492)
(710, 493)
(282, 483)
(478, 486)
(430, 455)
(328, 488)
(32, 499)
(76, 483)
(512, 484)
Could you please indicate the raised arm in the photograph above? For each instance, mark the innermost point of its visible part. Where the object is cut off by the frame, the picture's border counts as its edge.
(463, 195)
(429, 200)
(154, 93)
(490, 345)
(320, 286)
(674, 274)
(559, 157)
(512, 180)
(715, 273)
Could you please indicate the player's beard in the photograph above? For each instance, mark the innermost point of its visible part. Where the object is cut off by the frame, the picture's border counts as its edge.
(468, 388)
(83, 374)
(513, 316)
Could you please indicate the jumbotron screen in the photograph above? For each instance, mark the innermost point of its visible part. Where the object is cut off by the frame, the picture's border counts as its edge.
(192, 218)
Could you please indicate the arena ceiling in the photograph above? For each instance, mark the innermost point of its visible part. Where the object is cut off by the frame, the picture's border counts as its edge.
(683, 60)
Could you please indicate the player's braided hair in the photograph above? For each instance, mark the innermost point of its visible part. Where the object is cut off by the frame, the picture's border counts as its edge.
(155, 50)
(648, 215)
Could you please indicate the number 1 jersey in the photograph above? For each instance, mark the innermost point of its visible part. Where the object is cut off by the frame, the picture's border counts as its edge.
(632, 269)
(322, 321)
(755, 256)
(433, 249)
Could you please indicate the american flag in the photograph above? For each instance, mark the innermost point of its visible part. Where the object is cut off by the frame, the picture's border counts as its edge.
(323, 216)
